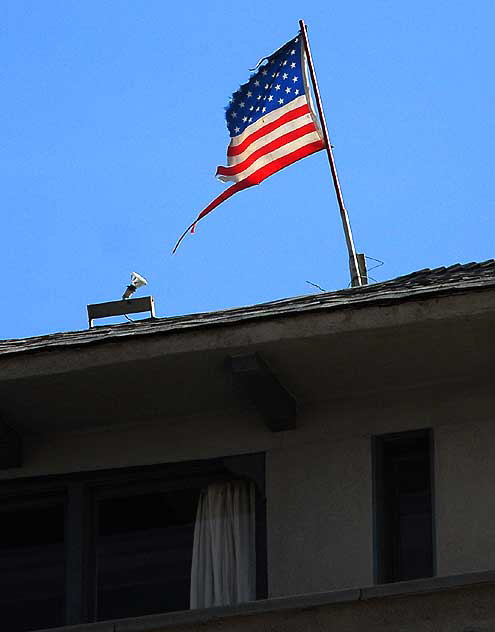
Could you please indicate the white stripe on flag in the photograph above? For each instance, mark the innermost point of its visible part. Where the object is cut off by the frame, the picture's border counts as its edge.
(268, 138)
(274, 155)
(269, 118)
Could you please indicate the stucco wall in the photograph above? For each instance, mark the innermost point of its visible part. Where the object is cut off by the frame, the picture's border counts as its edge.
(465, 496)
(319, 476)
(319, 505)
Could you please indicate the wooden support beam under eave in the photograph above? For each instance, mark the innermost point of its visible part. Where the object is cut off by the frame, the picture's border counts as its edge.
(10, 447)
(275, 404)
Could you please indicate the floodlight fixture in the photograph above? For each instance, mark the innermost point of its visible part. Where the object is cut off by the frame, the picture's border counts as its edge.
(136, 281)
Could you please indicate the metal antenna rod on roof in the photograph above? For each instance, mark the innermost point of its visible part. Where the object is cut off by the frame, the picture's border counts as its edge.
(358, 272)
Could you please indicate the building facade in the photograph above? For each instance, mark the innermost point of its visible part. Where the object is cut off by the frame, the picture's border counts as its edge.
(361, 421)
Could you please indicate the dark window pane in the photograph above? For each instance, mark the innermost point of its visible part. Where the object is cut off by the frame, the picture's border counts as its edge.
(144, 553)
(403, 518)
(32, 572)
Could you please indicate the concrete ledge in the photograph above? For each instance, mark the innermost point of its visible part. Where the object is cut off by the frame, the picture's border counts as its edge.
(104, 626)
(295, 603)
(429, 585)
(263, 606)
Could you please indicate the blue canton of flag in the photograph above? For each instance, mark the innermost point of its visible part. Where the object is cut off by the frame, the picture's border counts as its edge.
(273, 85)
(271, 123)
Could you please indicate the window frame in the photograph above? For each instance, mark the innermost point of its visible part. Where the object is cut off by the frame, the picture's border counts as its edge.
(380, 553)
(81, 491)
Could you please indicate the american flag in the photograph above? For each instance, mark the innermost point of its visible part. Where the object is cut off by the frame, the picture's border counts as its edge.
(271, 123)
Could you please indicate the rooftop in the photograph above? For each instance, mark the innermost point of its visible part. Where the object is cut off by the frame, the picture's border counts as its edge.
(456, 278)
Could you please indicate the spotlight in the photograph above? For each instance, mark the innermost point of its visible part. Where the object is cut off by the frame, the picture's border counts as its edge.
(136, 281)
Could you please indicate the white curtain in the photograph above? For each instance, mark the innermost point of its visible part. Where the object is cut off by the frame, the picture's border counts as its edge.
(224, 554)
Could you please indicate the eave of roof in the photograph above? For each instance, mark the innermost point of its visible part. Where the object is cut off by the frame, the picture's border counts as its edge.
(421, 284)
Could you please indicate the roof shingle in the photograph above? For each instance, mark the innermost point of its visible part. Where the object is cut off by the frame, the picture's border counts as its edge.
(422, 283)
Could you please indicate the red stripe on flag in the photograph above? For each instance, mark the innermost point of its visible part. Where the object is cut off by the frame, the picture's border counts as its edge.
(274, 166)
(234, 150)
(269, 147)
(263, 173)
(238, 186)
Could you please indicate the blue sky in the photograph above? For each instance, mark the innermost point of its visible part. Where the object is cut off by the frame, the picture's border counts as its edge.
(112, 116)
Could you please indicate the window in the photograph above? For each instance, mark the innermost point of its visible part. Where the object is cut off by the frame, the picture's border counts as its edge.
(32, 570)
(403, 517)
(143, 552)
(112, 544)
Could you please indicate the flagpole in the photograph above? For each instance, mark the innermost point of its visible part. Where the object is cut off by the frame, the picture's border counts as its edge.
(353, 258)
